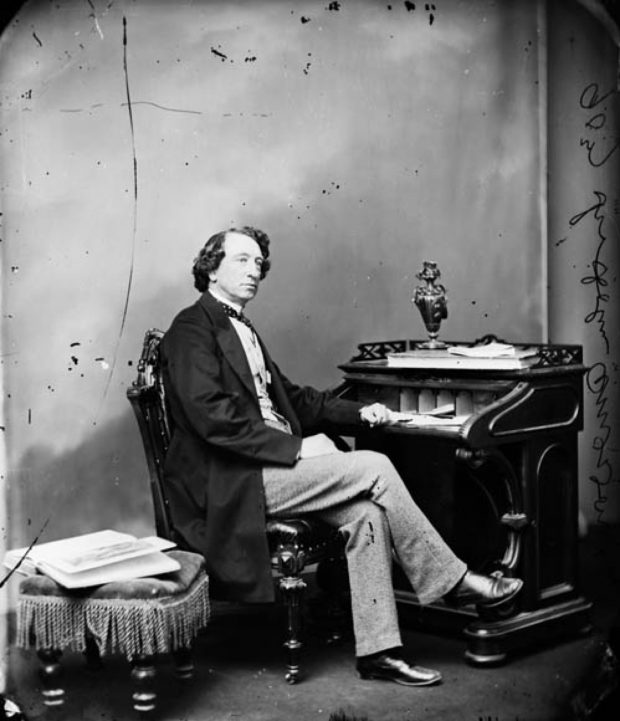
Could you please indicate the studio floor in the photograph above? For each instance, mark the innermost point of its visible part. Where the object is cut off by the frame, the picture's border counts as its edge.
(240, 673)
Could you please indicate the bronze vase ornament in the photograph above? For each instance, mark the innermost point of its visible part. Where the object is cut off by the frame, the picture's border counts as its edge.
(432, 303)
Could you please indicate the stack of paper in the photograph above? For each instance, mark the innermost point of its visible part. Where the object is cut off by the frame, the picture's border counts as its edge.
(492, 350)
(442, 416)
(424, 420)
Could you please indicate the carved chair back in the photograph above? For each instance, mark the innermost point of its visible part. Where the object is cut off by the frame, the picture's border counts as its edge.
(148, 400)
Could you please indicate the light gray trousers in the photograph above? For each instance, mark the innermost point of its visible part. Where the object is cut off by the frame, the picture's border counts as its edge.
(362, 494)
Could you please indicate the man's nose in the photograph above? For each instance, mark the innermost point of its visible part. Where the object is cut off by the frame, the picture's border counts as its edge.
(254, 272)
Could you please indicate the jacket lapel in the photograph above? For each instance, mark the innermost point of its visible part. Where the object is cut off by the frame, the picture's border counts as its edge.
(234, 353)
(228, 341)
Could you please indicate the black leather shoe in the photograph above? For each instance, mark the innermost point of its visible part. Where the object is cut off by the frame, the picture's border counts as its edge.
(385, 667)
(484, 591)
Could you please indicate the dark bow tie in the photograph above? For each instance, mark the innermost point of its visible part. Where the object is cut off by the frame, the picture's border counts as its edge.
(232, 313)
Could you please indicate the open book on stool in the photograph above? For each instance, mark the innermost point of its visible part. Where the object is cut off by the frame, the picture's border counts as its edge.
(95, 558)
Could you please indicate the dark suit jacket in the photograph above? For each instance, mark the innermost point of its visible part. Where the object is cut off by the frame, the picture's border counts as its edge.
(213, 469)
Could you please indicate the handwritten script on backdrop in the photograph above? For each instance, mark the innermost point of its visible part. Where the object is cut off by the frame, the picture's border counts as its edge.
(598, 150)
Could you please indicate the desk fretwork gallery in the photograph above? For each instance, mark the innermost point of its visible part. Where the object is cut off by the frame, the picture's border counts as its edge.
(500, 485)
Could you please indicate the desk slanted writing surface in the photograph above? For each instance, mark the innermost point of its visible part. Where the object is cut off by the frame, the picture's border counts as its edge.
(501, 487)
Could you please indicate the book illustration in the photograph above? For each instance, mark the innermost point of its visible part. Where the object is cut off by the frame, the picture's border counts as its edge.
(103, 554)
(73, 562)
(94, 558)
(129, 569)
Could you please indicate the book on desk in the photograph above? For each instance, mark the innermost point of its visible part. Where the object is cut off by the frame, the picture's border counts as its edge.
(489, 356)
(92, 559)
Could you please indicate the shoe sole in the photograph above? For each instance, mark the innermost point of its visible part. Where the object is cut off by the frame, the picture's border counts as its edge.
(375, 677)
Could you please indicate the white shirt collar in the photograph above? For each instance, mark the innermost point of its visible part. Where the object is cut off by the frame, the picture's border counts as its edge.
(217, 296)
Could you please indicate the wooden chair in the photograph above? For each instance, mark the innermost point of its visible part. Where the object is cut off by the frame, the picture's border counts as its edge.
(294, 543)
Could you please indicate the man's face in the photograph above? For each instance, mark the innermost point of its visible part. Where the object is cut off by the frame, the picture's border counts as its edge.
(238, 275)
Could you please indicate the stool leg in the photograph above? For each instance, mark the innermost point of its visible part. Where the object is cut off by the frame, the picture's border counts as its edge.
(292, 590)
(93, 657)
(183, 663)
(50, 673)
(143, 676)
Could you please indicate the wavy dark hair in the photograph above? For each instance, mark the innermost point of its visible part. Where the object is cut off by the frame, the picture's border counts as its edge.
(210, 256)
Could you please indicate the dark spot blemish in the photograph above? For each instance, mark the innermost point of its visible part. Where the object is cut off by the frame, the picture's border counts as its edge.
(219, 54)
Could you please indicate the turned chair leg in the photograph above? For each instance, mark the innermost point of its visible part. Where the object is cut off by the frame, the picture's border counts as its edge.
(291, 561)
(50, 673)
(183, 663)
(143, 676)
(292, 588)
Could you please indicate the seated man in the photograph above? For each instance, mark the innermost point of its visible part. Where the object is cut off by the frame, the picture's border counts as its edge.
(246, 445)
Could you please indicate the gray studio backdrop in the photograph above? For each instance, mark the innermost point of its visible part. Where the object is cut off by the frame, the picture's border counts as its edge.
(364, 137)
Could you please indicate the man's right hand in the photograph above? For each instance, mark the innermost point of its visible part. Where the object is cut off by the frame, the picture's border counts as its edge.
(318, 445)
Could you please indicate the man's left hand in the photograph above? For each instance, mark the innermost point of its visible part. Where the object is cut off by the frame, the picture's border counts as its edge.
(376, 414)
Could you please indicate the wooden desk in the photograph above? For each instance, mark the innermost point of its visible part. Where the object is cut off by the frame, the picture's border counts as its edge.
(501, 487)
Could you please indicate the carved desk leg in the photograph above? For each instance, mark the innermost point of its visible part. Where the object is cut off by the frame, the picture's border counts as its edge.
(488, 637)
(291, 561)
(50, 673)
(143, 675)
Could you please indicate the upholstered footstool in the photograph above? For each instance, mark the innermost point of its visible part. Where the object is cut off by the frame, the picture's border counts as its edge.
(139, 619)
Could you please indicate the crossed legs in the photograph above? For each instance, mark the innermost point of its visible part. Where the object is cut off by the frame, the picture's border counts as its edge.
(362, 494)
